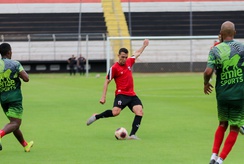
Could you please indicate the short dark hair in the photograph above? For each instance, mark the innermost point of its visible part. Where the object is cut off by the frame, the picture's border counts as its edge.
(5, 48)
(123, 50)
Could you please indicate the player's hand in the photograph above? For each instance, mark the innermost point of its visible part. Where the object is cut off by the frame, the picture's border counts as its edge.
(208, 88)
(102, 100)
(146, 42)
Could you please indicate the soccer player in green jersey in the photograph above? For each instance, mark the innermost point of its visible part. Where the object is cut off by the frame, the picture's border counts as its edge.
(226, 59)
(10, 95)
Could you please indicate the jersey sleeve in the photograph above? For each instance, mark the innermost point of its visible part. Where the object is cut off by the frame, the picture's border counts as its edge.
(131, 61)
(111, 73)
(19, 67)
(211, 59)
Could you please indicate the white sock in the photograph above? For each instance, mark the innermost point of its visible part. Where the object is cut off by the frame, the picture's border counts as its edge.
(214, 156)
(220, 160)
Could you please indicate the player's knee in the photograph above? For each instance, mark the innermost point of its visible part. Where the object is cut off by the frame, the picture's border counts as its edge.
(15, 122)
(138, 112)
(15, 125)
(116, 112)
(224, 124)
(234, 128)
(141, 113)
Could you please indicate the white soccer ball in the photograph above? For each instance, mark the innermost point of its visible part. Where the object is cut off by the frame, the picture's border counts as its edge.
(121, 133)
(242, 129)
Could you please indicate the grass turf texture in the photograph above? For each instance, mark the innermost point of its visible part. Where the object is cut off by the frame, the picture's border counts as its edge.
(178, 125)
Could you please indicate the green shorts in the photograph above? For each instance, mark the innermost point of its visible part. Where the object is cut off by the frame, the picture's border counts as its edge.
(13, 109)
(231, 111)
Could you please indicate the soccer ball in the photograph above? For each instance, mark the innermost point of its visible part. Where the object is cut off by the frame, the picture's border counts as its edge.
(242, 129)
(121, 133)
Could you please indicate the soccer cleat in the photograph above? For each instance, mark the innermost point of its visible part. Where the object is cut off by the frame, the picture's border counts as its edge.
(133, 137)
(28, 146)
(91, 120)
(212, 161)
(219, 161)
(1, 143)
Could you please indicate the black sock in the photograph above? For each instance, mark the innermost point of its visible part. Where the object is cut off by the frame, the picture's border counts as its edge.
(136, 124)
(105, 114)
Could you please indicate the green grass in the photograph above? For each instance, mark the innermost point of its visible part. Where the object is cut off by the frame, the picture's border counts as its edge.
(178, 125)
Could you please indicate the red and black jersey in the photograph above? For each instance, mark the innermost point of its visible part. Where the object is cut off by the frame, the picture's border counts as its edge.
(122, 75)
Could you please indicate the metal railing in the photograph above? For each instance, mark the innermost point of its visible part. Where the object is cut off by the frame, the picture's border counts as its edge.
(56, 46)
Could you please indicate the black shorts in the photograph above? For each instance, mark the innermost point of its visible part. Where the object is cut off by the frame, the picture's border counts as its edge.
(122, 101)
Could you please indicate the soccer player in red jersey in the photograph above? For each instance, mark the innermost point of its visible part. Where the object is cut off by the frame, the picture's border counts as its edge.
(124, 94)
(217, 42)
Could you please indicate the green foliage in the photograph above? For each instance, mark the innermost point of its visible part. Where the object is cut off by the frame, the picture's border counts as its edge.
(178, 125)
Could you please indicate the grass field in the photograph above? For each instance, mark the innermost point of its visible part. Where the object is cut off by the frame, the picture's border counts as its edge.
(177, 128)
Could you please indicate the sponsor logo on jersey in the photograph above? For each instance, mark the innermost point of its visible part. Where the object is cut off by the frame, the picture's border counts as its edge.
(6, 84)
(231, 73)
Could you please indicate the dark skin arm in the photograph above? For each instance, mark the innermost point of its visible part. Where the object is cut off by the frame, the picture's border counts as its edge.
(207, 75)
(24, 76)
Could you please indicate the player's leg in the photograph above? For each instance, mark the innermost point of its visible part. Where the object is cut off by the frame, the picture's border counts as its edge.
(220, 131)
(74, 70)
(79, 69)
(19, 136)
(218, 139)
(120, 102)
(2, 133)
(137, 108)
(107, 113)
(229, 143)
(0, 142)
(14, 113)
(70, 70)
(83, 69)
(10, 127)
(236, 114)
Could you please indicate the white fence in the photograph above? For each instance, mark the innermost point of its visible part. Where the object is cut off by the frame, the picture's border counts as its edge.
(160, 49)
(59, 50)
(48, 47)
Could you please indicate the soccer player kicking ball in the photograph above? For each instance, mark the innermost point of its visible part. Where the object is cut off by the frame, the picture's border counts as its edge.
(124, 94)
(10, 95)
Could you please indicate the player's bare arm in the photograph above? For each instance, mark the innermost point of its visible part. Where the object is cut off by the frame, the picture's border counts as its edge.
(24, 76)
(105, 88)
(207, 75)
(138, 52)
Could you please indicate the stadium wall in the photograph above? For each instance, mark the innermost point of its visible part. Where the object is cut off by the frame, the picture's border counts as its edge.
(60, 66)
